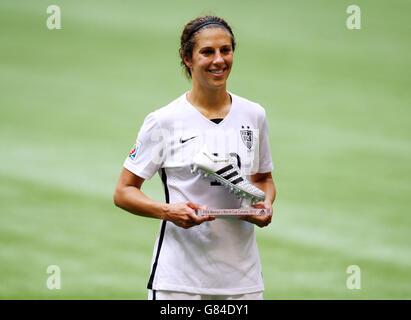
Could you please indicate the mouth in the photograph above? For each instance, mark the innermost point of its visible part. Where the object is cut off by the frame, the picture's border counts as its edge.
(217, 72)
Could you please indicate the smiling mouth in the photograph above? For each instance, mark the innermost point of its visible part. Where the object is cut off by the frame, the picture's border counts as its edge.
(218, 72)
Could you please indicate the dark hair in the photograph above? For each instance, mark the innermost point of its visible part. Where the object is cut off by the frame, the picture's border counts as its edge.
(188, 36)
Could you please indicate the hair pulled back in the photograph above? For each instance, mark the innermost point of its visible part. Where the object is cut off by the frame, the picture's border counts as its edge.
(188, 39)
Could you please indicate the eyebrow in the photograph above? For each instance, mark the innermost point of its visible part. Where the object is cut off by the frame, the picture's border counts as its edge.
(209, 47)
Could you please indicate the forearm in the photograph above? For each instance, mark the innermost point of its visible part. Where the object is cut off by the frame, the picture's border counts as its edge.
(264, 182)
(267, 185)
(133, 200)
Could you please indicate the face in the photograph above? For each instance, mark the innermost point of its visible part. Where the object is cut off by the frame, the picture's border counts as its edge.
(212, 57)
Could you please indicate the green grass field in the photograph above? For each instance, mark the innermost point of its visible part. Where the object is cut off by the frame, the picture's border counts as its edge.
(339, 109)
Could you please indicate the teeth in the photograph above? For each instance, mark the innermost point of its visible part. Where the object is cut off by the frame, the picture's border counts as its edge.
(216, 71)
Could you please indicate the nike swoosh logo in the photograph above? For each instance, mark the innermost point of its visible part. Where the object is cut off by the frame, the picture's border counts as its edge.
(185, 140)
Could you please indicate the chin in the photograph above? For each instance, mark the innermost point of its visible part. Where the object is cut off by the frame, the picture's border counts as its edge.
(208, 82)
(217, 85)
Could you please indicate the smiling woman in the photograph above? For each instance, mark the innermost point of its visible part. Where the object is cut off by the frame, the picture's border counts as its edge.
(189, 38)
(207, 47)
(202, 257)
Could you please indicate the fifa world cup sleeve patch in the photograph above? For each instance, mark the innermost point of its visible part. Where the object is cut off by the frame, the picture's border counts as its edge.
(134, 150)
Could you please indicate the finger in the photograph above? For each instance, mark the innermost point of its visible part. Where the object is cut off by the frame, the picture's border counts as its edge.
(245, 218)
(201, 219)
(267, 222)
(257, 219)
(259, 204)
(197, 219)
(194, 205)
(205, 218)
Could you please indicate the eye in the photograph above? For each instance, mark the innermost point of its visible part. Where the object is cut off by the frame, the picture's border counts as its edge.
(207, 51)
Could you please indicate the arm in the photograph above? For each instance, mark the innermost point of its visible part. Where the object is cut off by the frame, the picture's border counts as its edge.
(265, 182)
(129, 197)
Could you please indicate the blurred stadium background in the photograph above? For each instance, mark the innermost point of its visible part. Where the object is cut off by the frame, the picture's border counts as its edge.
(338, 102)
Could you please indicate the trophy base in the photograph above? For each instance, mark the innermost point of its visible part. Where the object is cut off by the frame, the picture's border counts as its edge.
(244, 210)
(233, 212)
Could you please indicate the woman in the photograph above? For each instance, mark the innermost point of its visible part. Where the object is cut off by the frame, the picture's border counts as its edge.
(201, 257)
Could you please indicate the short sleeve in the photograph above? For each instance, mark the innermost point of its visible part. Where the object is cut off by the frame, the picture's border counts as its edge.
(265, 160)
(146, 155)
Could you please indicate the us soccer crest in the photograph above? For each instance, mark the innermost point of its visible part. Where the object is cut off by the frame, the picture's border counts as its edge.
(247, 137)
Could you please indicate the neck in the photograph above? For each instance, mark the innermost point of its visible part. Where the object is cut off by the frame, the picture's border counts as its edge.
(212, 100)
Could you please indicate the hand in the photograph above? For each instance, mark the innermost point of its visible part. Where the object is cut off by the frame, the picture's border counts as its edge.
(260, 220)
(182, 214)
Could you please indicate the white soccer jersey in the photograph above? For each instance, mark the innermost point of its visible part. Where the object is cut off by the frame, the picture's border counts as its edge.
(216, 257)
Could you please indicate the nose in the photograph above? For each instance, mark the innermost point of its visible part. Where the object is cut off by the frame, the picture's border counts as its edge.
(218, 58)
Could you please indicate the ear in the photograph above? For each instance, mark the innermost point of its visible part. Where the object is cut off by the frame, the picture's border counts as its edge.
(187, 62)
